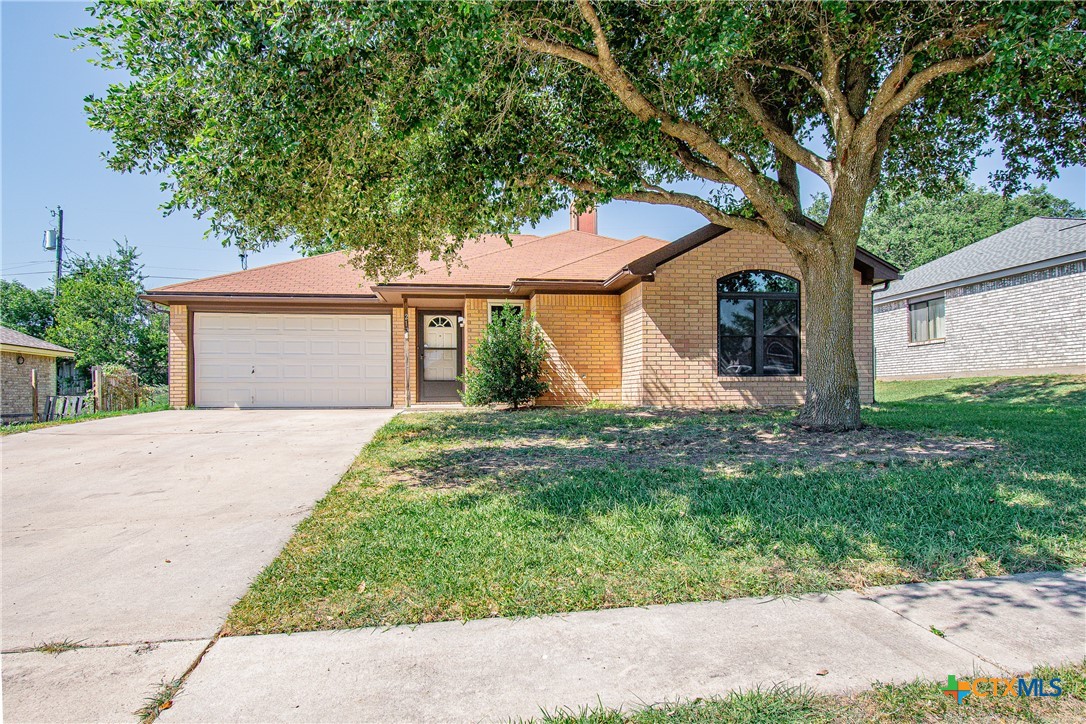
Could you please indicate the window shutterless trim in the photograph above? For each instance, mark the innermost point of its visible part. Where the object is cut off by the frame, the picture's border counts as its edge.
(758, 337)
(491, 303)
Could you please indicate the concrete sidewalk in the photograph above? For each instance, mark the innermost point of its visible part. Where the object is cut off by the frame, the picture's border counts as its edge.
(498, 669)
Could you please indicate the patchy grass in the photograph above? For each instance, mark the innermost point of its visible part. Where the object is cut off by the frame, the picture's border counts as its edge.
(458, 515)
(889, 703)
(28, 426)
(58, 647)
(159, 701)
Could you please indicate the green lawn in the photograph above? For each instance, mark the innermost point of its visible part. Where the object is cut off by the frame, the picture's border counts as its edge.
(456, 515)
(890, 703)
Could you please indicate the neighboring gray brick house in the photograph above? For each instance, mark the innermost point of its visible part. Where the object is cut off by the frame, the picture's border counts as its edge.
(1011, 304)
(19, 354)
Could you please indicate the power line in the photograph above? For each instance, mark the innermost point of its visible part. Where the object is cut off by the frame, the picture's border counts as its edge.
(23, 265)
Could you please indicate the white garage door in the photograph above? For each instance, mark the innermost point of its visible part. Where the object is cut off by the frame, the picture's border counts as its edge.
(292, 360)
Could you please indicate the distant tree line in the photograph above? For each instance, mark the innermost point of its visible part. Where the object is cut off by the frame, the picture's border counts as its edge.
(910, 230)
(97, 312)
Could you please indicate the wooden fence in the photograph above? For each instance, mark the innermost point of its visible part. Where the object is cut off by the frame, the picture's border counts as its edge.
(111, 389)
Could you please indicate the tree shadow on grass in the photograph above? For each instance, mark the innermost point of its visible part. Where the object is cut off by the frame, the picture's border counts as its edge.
(1041, 390)
(688, 490)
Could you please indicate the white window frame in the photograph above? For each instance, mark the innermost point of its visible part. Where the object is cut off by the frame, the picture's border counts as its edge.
(930, 324)
(491, 303)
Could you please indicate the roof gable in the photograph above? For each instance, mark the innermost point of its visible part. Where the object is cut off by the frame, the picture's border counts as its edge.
(870, 266)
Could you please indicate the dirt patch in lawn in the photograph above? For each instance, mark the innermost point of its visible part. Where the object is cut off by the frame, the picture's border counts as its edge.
(681, 439)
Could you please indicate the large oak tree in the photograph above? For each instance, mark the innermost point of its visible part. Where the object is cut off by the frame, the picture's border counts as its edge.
(391, 128)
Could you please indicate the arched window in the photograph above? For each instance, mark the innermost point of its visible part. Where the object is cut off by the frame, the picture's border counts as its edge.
(758, 324)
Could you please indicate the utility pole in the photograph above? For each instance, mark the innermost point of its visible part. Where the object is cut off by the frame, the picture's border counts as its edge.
(54, 239)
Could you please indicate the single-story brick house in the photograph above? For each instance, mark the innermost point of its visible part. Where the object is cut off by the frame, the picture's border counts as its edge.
(1011, 304)
(19, 354)
(639, 321)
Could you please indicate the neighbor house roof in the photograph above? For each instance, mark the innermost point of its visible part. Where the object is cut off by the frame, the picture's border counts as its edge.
(570, 261)
(1040, 242)
(13, 341)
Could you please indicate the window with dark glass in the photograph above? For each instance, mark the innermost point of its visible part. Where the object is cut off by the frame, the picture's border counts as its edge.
(496, 307)
(927, 320)
(758, 324)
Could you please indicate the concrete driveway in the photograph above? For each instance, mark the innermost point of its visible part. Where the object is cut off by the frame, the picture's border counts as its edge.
(135, 535)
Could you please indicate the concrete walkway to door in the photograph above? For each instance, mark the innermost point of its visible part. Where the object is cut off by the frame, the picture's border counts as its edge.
(133, 536)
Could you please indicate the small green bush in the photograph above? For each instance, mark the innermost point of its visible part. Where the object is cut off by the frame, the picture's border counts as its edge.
(506, 365)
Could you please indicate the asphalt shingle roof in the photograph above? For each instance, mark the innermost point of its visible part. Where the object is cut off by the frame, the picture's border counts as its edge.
(18, 339)
(1037, 240)
(487, 261)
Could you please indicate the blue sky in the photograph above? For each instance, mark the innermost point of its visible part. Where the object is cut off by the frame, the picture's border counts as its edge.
(51, 157)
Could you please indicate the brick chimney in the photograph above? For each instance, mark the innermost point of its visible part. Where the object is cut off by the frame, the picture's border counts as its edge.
(585, 222)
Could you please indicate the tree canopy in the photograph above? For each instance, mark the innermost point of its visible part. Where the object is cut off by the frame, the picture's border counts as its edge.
(99, 314)
(398, 127)
(914, 229)
(26, 310)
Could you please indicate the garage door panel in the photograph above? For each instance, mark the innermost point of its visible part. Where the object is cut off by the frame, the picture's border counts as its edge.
(240, 346)
(288, 360)
(268, 347)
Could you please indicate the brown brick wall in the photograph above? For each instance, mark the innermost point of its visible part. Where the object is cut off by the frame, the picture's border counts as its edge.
(679, 329)
(180, 341)
(16, 400)
(585, 338)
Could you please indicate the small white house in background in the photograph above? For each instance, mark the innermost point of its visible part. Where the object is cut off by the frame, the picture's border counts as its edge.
(19, 355)
(1011, 304)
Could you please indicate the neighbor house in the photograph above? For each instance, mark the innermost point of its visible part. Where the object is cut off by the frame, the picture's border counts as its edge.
(20, 354)
(714, 318)
(1011, 304)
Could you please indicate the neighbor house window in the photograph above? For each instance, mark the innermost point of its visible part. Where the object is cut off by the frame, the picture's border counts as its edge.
(495, 306)
(758, 324)
(927, 320)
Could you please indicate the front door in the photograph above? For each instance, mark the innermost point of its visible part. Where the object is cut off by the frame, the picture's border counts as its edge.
(439, 356)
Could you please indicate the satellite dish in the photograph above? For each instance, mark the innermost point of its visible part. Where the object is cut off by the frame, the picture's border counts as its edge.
(49, 240)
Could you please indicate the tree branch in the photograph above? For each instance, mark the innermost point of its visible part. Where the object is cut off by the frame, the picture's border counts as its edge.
(698, 167)
(776, 135)
(841, 117)
(604, 66)
(915, 86)
(664, 197)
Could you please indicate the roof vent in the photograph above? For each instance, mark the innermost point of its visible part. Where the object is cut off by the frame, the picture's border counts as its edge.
(585, 222)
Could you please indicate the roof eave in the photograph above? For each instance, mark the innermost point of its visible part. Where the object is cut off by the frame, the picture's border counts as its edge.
(37, 351)
(168, 297)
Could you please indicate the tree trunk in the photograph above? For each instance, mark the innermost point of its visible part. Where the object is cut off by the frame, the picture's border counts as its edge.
(832, 401)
